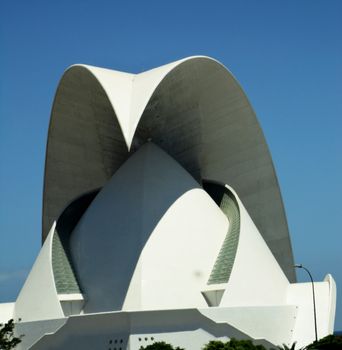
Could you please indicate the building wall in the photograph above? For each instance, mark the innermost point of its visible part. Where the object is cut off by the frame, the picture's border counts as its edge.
(38, 299)
(6, 312)
(123, 330)
(31, 332)
(300, 294)
(149, 239)
(176, 261)
(256, 277)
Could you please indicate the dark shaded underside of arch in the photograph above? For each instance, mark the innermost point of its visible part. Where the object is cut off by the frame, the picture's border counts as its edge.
(85, 143)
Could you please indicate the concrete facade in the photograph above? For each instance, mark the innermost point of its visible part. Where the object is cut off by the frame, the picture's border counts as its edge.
(162, 219)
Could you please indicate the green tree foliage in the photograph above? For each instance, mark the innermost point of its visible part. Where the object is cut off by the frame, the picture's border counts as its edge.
(7, 339)
(292, 347)
(160, 345)
(331, 342)
(233, 344)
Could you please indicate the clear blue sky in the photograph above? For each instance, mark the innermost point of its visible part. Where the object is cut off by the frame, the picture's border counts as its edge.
(286, 54)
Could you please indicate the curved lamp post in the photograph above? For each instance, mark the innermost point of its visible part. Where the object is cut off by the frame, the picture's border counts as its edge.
(300, 266)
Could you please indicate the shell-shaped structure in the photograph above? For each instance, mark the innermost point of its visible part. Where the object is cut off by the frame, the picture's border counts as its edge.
(194, 109)
(162, 219)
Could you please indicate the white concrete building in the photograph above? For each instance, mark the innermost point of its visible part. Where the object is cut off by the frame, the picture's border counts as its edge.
(162, 219)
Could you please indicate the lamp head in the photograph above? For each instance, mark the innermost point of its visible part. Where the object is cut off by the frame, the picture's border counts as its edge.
(299, 266)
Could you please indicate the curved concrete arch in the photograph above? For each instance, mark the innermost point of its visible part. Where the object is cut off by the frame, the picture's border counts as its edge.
(194, 109)
(85, 140)
(200, 115)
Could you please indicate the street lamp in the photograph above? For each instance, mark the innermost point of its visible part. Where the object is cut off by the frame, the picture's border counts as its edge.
(300, 266)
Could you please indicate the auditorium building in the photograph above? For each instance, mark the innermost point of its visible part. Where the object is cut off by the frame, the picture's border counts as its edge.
(162, 220)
